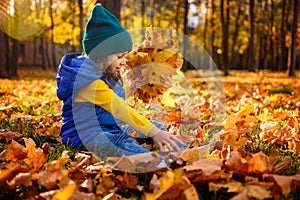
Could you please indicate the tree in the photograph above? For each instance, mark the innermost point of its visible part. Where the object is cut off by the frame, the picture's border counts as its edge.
(282, 54)
(185, 32)
(212, 27)
(4, 70)
(251, 39)
(113, 6)
(225, 35)
(292, 54)
(236, 31)
(54, 64)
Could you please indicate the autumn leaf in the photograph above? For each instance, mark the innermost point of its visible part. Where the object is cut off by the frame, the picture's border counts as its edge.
(36, 157)
(161, 185)
(66, 192)
(231, 186)
(21, 179)
(49, 179)
(284, 182)
(9, 135)
(136, 163)
(15, 152)
(10, 171)
(128, 181)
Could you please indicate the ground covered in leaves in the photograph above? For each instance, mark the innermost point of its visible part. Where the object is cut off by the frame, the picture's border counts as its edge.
(255, 154)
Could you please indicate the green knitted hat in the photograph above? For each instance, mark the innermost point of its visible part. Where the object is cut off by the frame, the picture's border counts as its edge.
(104, 34)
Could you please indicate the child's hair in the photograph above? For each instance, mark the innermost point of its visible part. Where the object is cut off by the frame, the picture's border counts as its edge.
(112, 77)
(102, 66)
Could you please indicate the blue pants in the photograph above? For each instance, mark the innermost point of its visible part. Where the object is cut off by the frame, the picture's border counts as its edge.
(106, 144)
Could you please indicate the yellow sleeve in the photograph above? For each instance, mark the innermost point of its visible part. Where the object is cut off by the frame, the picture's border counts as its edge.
(100, 94)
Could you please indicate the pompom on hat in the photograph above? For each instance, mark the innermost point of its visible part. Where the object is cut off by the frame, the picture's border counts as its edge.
(104, 34)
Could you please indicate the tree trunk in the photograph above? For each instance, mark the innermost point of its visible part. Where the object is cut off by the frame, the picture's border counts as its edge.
(251, 39)
(225, 22)
(271, 39)
(52, 36)
(42, 52)
(185, 32)
(282, 54)
(235, 34)
(81, 26)
(12, 57)
(4, 71)
(212, 35)
(113, 6)
(47, 54)
(292, 59)
(205, 26)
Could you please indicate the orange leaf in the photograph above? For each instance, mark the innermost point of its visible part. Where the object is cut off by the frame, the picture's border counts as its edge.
(16, 152)
(36, 157)
(259, 163)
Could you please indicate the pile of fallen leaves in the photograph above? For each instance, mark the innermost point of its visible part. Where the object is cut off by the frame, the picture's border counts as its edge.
(255, 156)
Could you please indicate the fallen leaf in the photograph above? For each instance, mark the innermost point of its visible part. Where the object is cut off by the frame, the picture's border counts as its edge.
(50, 179)
(259, 163)
(231, 186)
(166, 181)
(66, 192)
(36, 157)
(15, 152)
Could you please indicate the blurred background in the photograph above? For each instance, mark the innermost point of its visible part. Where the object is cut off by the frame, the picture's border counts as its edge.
(238, 34)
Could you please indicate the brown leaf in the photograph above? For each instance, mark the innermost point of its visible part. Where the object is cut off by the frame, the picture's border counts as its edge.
(21, 179)
(236, 163)
(232, 186)
(9, 135)
(15, 152)
(205, 170)
(136, 163)
(190, 193)
(241, 196)
(283, 165)
(36, 157)
(258, 192)
(284, 182)
(82, 196)
(208, 167)
(87, 185)
(10, 171)
(259, 163)
(49, 179)
(128, 181)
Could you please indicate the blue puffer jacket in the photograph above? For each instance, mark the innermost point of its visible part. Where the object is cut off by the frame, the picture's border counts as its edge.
(76, 71)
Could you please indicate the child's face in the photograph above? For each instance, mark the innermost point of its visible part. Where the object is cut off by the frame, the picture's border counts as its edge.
(117, 62)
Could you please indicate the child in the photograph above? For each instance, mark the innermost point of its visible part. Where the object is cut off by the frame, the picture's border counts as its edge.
(93, 104)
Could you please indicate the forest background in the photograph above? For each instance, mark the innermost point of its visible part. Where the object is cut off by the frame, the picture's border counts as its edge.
(239, 34)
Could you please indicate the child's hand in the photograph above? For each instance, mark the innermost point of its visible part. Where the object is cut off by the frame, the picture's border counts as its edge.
(165, 139)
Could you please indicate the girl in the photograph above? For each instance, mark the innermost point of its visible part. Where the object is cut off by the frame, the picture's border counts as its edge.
(93, 104)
